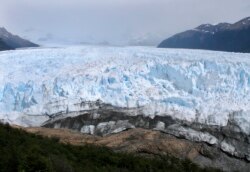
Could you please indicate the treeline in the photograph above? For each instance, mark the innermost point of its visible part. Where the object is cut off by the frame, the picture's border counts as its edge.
(25, 152)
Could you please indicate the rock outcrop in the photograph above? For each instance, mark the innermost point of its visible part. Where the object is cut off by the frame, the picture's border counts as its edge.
(229, 142)
(151, 143)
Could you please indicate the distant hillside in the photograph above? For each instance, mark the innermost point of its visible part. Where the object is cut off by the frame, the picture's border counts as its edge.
(9, 41)
(222, 37)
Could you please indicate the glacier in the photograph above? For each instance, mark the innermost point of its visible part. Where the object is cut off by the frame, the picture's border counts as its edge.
(208, 87)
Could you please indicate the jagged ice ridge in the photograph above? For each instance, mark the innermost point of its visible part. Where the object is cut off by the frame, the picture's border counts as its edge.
(191, 85)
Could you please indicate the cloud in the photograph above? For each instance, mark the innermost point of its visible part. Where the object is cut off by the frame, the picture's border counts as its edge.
(116, 21)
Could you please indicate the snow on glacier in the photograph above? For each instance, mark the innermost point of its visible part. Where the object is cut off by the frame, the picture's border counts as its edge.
(187, 84)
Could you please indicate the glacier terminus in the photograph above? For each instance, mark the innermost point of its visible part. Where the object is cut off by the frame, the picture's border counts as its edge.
(203, 96)
(192, 85)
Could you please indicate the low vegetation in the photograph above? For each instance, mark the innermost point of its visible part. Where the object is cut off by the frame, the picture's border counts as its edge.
(25, 152)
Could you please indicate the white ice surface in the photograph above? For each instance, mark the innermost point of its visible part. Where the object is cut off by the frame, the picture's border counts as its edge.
(187, 84)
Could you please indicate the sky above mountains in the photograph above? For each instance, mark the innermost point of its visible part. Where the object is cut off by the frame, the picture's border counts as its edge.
(120, 22)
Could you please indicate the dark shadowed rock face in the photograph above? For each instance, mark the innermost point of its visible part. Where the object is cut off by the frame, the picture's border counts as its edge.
(10, 41)
(230, 143)
(4, 46)
(222, 37)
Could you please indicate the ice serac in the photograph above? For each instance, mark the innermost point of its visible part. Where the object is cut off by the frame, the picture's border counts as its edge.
(201, 86)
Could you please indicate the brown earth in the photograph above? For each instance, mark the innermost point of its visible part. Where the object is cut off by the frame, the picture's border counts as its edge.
(150, 143)
(135, 141)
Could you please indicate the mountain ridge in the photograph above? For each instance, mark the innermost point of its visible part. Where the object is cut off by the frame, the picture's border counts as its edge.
(8, 41)
(221, 37)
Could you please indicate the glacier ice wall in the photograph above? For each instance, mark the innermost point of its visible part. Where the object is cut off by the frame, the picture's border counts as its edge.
(192, 85)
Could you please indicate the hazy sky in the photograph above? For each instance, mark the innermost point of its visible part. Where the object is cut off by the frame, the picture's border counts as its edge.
(115, 21)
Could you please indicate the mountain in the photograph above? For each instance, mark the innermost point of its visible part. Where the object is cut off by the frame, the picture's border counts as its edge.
(9, 41)
(222, 37)
(197, 95)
